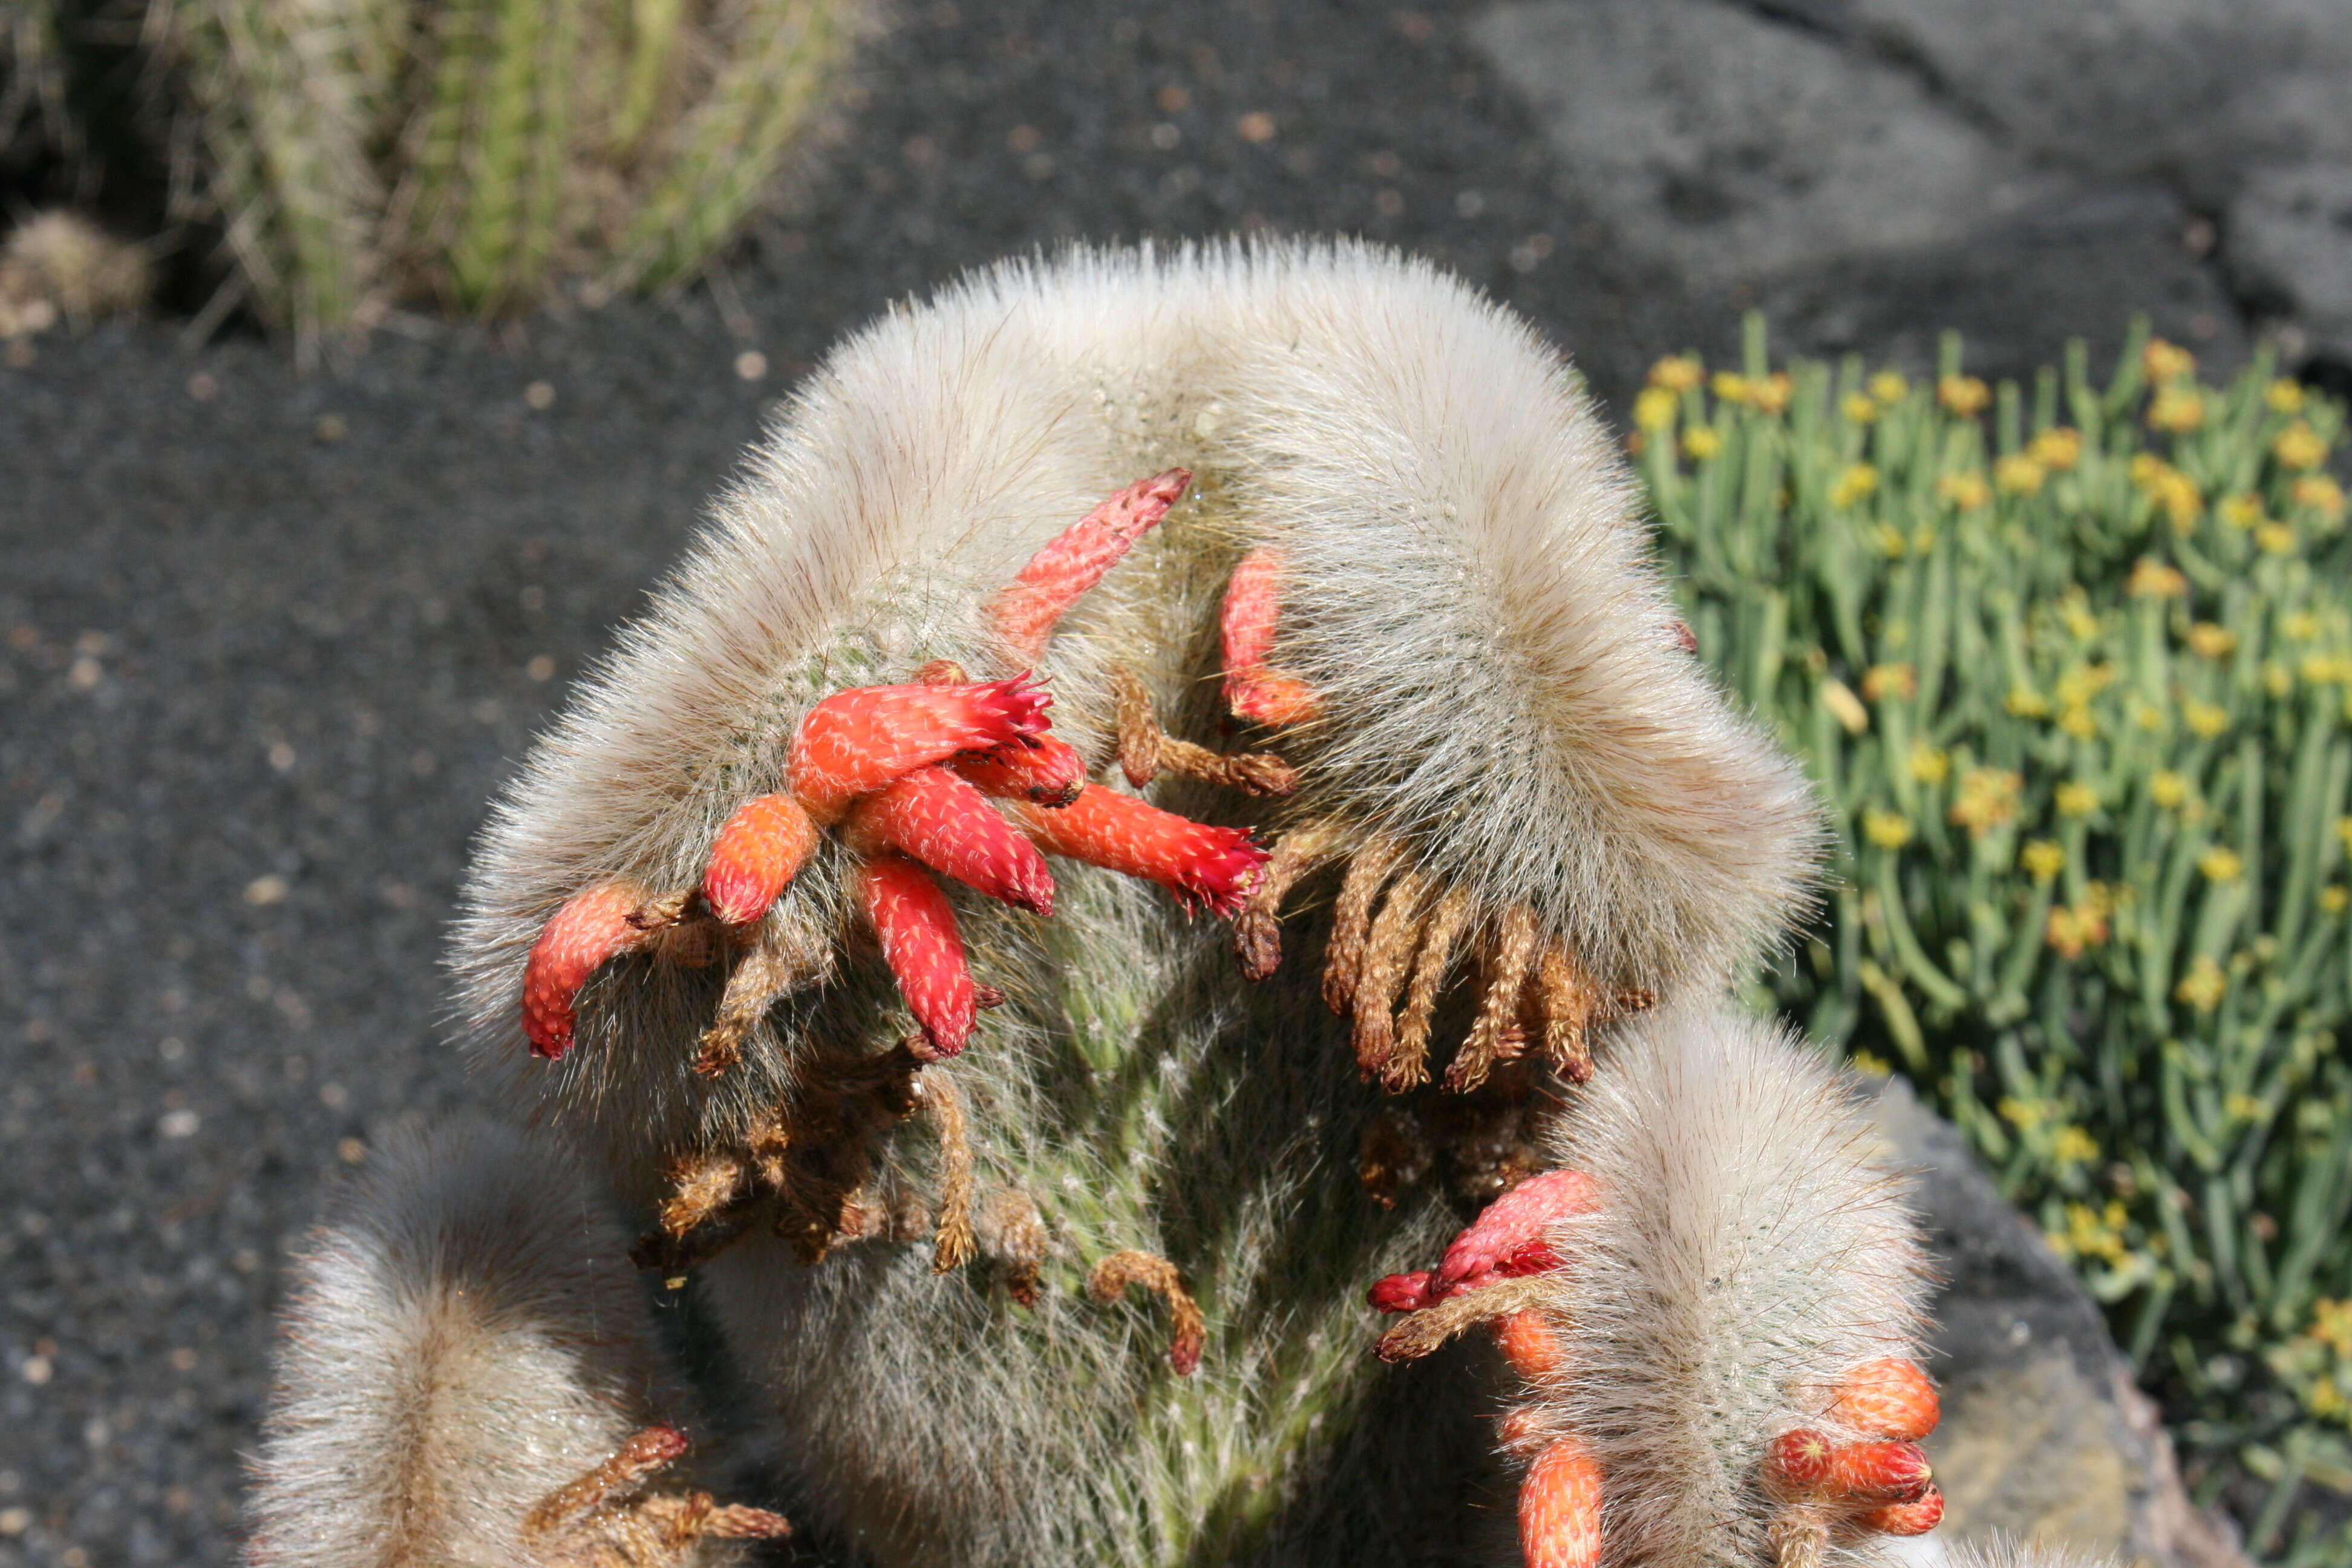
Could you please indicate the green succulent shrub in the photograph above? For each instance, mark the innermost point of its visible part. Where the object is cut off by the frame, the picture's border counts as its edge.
(2072, 668)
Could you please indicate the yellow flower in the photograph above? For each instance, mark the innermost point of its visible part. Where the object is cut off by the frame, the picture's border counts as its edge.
(2025, 1115)
(2166, 362)
(1884, 680)
(2076, 608)
(2277, 537)
(2212, 641)
(2203, 986)
(2300, 626)
(2075, 798)
(1772, 393)
(2317, 492)
(2176, 411)
(2242, 512)
(2299, 447)
(2057, 449)
(2071, 931)
(1858, 481)
(2147, 714)
(2043, 858)
(2080, 723)
(2334, 897)
(1989, 798)
(1731, 387)
(2073, 1146)
(1676, 372)
(2167, 789)
(1839, 699)
(2331, 1325)
(1929, 765)
(1860, 409)
(2150, 578)
(2175, 491)
(1870, 1066)
(1964, 396)
(2241, 1107)
(2275, 680)
(2027, 703)
(2018, 475)
(1888, 387)
(2221, 865)
(2084, 681)
(1889, 540)
(2319, 669)
(1701, 442)
(1967, 491)
(1886, 829)
(1655, 409)
(2284, 396)
(2204, 717)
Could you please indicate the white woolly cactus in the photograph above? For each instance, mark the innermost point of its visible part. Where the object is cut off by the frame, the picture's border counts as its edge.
(1715, 1304)
(862, 925)
(467, 1376)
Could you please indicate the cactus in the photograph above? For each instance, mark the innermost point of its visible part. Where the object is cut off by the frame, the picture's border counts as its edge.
(2071, 669)
(478, 156)
(1032, 1142)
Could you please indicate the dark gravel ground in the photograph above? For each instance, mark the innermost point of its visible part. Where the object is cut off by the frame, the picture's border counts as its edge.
(268, 643)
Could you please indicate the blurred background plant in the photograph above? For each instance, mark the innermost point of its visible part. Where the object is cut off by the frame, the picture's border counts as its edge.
(2072, 666)
(475, 156)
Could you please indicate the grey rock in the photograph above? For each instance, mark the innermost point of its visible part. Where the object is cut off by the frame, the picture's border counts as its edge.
(2291, 247)
(2044, 1437)
(1732, 148)
(2078, 268)
(2190, 89)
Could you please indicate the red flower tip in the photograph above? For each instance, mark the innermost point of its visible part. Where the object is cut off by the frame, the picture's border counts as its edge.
(854, 742)
(1076, 559)
(1042, 769)
(1404, 1292)
(1509, 1237)
(592, 926)
(1203, 866)
(758, 851)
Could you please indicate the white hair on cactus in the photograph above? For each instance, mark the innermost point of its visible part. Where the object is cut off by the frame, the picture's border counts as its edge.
(2007, 1552)
(1747, 1255)
(464, 1338)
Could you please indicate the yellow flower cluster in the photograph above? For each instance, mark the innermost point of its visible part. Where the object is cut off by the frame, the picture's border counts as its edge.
(1886, 829)
(2177, 410)
(1988, 799)
(2092, 1233)
(2204, 719)
(2173, 490)
(2167, 789)
(2074, 798)
(1678, 374)
(1859, 408)
(2211, 641)
(2042, 859)
(2164, 363)
(1967, 491)
(1929, 765)
(2319, 493)
(1859, 481)
(1884, 680)
(1657, 409)
(1702, 442)
(2018, 475)
(2221, 865)
(2203, 986)
(2299, 447)
(2072, 931)
(2057, 449)
(2152, 579)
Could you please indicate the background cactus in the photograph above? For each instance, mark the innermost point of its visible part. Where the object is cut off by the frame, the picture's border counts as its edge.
(474, 154)
(2071, 667)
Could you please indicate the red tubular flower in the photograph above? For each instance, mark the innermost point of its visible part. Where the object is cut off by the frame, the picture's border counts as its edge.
(920, 943)
(1908, 1518)
(856, 741)
(1508, 1239)
(1253, 605)
(759, 850)
(1529, 1344)
(593, 927)
(1560, 1507)
(949, 826)
(1404, 1292)
(1889, 1397)
(1880, 1472)
(1077, 559)
(1203, 866)
(1042, 769)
